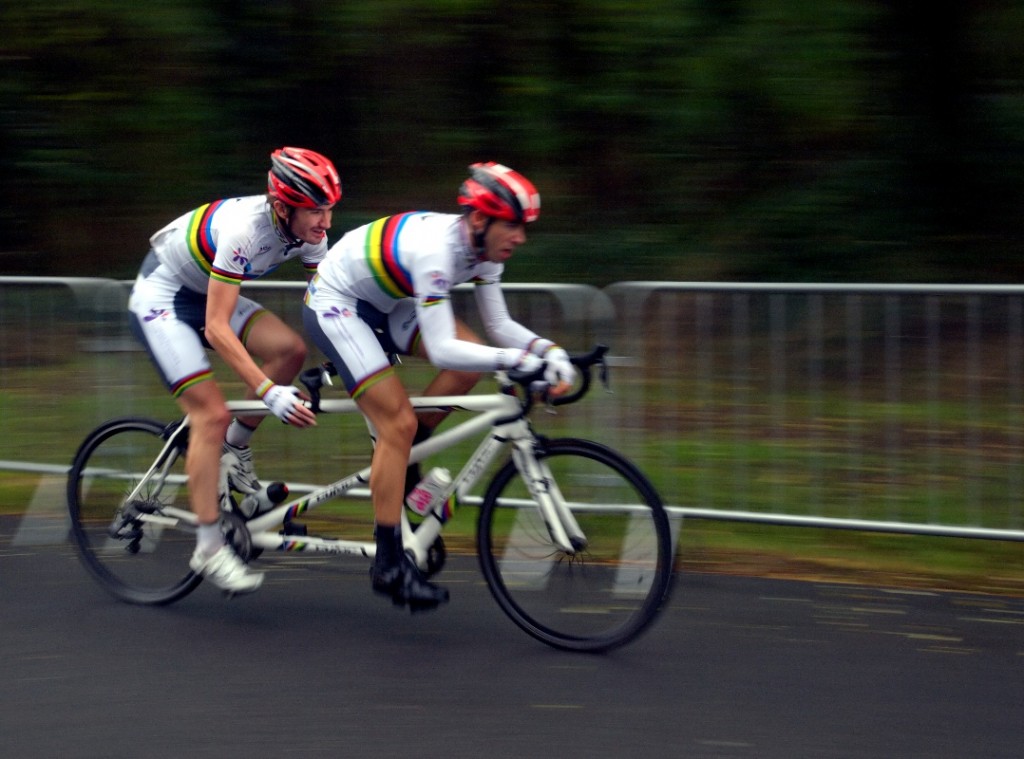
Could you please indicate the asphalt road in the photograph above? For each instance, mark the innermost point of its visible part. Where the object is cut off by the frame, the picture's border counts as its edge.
(315, 665)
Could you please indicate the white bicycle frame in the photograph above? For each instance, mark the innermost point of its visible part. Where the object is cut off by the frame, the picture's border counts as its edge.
(500, 413)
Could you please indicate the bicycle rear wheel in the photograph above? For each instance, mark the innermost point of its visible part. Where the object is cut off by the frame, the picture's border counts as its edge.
(127, 490)
(600, 596)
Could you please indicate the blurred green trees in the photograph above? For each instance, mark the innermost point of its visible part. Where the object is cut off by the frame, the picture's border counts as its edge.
(670, 139)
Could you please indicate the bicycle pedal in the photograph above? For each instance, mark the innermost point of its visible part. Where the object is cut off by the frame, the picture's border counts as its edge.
(124, 532)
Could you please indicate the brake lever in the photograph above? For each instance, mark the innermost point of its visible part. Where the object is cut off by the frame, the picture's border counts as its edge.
(315, 378)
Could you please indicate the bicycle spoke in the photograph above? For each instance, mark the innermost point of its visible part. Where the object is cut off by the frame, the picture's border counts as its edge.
(601, 595)
(125, 512)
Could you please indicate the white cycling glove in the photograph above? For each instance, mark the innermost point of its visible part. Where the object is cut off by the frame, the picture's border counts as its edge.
(559, 368)
(529, 363)
(280, 399)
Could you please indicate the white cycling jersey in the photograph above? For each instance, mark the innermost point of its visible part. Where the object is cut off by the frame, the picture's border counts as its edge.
(404, 267)
(229, 240)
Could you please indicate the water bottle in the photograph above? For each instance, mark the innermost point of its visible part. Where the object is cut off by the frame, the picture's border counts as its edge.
(264, 499)
(426, 496)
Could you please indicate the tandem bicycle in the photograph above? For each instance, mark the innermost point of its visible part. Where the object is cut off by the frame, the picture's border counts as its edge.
(572, 538)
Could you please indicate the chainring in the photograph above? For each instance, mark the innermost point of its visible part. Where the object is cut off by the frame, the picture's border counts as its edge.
(236, 533)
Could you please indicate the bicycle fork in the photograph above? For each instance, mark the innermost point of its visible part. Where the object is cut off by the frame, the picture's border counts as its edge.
(562, 526)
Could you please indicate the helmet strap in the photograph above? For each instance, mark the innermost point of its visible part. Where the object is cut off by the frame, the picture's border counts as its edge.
(284, 222)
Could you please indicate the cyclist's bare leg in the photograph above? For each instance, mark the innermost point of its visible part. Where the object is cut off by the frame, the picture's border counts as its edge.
(445, 382)
(386, 405)
(208, 421)
(281, 350)
(449, 381)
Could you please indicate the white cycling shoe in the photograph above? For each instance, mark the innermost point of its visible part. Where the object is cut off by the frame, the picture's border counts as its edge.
(225, 570)
(237, 464)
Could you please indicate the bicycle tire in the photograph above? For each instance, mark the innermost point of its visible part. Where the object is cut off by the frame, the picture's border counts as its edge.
(597, 598)
(136, 561)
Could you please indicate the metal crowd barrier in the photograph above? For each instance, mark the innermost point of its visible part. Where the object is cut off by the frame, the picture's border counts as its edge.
(893, 408)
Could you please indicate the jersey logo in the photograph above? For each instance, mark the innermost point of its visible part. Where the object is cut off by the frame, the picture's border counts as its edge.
(335, 313)
(438, 281)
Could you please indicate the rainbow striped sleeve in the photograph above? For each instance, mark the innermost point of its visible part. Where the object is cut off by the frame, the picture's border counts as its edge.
(199, 236)
(222, 275)
(385, 258)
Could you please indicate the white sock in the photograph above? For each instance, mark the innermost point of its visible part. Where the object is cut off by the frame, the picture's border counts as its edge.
(238, 434)
(209, 539)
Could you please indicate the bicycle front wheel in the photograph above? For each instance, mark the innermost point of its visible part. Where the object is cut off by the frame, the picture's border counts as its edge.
(127, 492)
(610, 589)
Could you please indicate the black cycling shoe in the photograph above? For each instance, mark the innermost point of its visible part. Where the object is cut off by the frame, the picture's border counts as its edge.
(405, 584)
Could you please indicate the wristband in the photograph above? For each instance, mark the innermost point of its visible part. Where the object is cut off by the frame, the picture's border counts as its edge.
(264, 388)
(538, 346)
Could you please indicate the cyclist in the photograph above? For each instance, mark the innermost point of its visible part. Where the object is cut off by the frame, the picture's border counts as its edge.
(383, 290)
(187, 298)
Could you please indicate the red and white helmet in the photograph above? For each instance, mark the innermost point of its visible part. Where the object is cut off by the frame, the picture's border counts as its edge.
(303, 178)
(500, 192)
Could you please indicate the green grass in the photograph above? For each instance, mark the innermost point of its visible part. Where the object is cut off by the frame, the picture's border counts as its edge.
(829, 457)
(842, 556)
